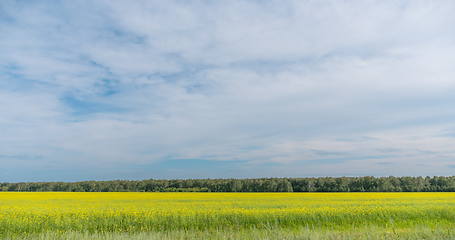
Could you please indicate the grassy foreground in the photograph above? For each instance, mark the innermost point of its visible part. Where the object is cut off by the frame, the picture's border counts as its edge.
(227, 215)
(265, 234)
(268, 234)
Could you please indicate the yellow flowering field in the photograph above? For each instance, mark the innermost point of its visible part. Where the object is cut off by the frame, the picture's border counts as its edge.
(31, 213)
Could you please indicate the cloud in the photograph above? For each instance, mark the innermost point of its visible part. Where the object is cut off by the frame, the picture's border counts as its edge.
(293, 88)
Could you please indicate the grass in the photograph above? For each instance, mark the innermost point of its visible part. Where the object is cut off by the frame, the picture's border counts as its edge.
(227, 215)
(265, 234)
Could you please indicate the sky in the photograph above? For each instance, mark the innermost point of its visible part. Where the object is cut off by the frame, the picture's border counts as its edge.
(111, 89)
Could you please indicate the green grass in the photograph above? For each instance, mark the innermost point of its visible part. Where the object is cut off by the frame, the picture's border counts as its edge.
(262, 234)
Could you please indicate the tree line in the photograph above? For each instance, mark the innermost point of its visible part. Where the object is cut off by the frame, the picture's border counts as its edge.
(321, 184)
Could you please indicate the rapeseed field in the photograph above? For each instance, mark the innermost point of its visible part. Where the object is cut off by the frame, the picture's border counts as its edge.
(63, 215)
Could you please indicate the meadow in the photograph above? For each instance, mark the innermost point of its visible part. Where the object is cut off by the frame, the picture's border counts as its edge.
(65, 215)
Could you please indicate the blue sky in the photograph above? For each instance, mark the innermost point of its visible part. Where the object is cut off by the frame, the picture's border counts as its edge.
(196, 89)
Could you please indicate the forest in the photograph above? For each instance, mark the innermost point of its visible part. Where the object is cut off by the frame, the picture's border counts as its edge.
(320, 184)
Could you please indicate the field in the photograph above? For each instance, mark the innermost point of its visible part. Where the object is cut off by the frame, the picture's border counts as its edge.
(227, 215)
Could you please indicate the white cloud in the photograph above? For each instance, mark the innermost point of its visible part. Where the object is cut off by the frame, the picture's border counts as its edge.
(116, 82)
